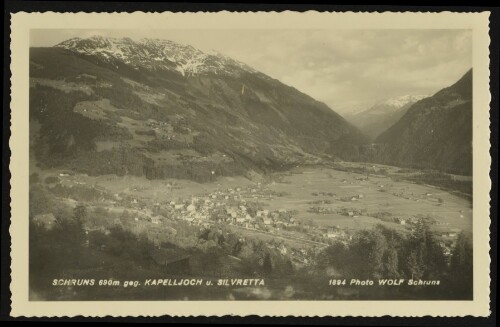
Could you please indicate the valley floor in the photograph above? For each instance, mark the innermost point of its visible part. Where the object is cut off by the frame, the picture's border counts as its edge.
(296, 213)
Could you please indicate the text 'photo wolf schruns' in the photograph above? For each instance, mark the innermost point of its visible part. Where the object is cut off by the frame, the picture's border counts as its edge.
(250, 165)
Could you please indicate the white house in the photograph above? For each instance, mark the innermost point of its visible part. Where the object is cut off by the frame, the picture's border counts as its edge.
(46, 220)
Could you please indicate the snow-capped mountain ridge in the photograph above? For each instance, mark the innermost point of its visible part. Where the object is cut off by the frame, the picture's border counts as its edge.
(155, 54)
(382, 115)
(401, 101)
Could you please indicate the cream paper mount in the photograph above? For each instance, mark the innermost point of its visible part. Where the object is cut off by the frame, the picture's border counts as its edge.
(108, 110)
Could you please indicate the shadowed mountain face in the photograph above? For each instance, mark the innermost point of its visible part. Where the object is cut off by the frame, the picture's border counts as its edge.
(435, 132)
(383, 115)
(160, 109)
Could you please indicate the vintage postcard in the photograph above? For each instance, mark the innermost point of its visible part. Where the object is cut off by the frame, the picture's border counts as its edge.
(260, 163)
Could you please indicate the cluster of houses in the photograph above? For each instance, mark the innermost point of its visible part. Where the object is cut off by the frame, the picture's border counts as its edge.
(406, 220)
(330, 194)
(349, 212)
(278, 218)
(447, 242)
(325, 201)
(352, 212)
(298, 255)
(235, 212)
(400, 220)
(335, 233)
(160, 126)
(352, 198)
(416, 197)
(47, 221)
(228, 206)
(322, 210)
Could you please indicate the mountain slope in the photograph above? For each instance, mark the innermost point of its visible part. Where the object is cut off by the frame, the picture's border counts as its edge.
(160, 109)
(383, 115)
(436, 132)
(155, 54)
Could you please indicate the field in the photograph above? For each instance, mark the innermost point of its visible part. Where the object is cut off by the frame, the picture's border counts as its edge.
(372, 199)
(379, 194)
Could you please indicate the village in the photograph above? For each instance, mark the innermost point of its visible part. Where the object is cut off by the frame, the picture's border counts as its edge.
(246, 210)
(240, 209)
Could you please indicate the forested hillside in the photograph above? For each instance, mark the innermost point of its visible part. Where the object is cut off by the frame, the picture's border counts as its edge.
(435, 133)
(119, 116)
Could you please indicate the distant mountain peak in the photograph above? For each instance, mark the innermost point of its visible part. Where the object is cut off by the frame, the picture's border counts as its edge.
(383, 114)
(401, 101)
(155, 54)
(435, 133)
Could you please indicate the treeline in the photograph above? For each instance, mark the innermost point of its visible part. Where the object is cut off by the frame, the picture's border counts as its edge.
(431, 177)
(68, 250)
(75, 248)
(197, 171)
(384, 253)
(442, 180)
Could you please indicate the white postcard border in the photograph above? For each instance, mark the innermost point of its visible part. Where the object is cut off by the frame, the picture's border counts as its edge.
(22, 23)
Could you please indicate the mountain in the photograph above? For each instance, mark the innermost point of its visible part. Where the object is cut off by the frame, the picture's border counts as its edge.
(155, 54)
(382, 115)
(435, 132)
(164, 110)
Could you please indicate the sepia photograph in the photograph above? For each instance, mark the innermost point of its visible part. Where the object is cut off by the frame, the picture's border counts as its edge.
(264, 164)
(344, 158)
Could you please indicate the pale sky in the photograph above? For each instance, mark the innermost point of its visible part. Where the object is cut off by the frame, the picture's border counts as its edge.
(349, 70)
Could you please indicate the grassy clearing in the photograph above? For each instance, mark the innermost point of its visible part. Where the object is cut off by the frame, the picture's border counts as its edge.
(62, 85)
(379, 194)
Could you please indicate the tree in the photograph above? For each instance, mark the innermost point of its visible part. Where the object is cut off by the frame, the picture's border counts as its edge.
(367, 254)
(391, 263)
(461, 259)
(461, 267)
(428, 254)
(267, 265)
(334, 255)
(40, 201)
(80, 214)
(414, 266)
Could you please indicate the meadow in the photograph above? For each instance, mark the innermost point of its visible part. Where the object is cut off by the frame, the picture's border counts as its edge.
(304, 186)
